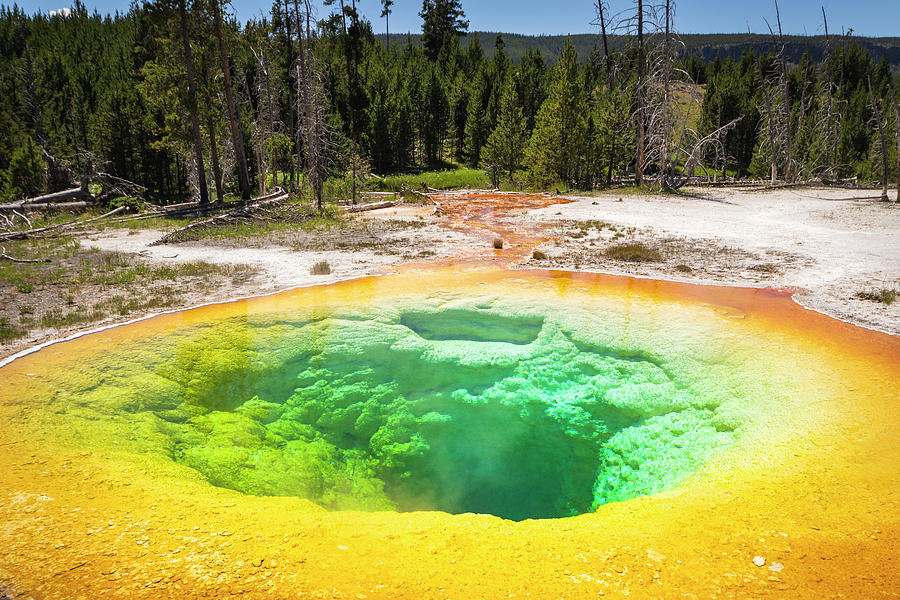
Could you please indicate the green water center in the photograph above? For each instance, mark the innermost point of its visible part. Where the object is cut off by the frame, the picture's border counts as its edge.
(465, 406)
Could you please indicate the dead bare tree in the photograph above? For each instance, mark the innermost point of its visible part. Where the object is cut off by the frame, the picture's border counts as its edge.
(639, 164)
(828, 120)
(211, 131)
(669, 140)
(192, 102)
(233, 118)
(879, 125)
(266, 124)
(313, 102)
(779, 106)
(603, 21)
(897, 134)
(630, 23)
(768, 126)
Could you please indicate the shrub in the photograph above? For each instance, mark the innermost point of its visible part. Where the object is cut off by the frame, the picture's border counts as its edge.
(884, 296)
(498, 243)
(633, 252)
(320, 268)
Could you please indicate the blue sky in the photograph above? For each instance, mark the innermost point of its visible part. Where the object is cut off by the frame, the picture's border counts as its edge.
(866, 17)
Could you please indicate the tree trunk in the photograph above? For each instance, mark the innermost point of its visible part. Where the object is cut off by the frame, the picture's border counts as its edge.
(879, 123)
(292, 113)
(610, 158)
(897, 133)
(664, 138)
(770, 117)
(639, 155)
(829, 102)
(192, 103)
(214, 156)
(213, 143)
(785, 102)
(237, 142)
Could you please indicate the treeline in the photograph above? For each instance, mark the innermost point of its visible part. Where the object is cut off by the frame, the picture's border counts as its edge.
(707, 46)
(182, 102)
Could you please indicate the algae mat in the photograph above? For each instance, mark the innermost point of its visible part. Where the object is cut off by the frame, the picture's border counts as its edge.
(447, 433)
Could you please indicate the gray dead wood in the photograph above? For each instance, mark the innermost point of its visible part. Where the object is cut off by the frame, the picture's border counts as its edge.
(51, 200)
(370, 206)
(55, 229)
(244, 210)
(6, 256)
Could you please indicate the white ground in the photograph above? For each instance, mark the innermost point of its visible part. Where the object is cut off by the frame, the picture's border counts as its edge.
(286, 260)
(825, 243)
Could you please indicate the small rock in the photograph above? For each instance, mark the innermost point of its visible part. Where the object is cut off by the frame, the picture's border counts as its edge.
(759, 561)
(777, 567)
(655, 556)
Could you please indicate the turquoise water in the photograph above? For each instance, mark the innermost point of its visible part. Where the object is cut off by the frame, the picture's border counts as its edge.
(517, 410)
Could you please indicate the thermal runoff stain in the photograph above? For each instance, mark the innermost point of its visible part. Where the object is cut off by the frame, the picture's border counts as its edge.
(519, 394)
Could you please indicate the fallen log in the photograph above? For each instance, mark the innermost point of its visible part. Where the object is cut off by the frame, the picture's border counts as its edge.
(45, 206)
(241, 211)
(6, 256)
(70, 194)
(370, 206)
(16, 235)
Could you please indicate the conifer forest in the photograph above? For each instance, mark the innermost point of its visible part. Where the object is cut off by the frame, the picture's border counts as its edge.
(176, 100)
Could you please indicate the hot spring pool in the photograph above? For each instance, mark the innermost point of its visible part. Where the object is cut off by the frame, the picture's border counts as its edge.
(523, 395)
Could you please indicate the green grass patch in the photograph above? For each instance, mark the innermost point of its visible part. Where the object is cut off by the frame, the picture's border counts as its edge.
(158, 297)
(633, 252)
(57, 318)
(154, 223)
(442, 180)
(884, 296)
(9, 331)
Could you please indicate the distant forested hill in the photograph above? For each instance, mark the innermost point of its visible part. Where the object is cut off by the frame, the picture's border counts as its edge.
(707, 45)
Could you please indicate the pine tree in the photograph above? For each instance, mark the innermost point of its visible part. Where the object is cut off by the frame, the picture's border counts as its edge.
(441, 18)
(26, 173)
(560, 130)
(386, 13)
(532, 85)
(436, 116)
(503, 152)
(477, 129)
